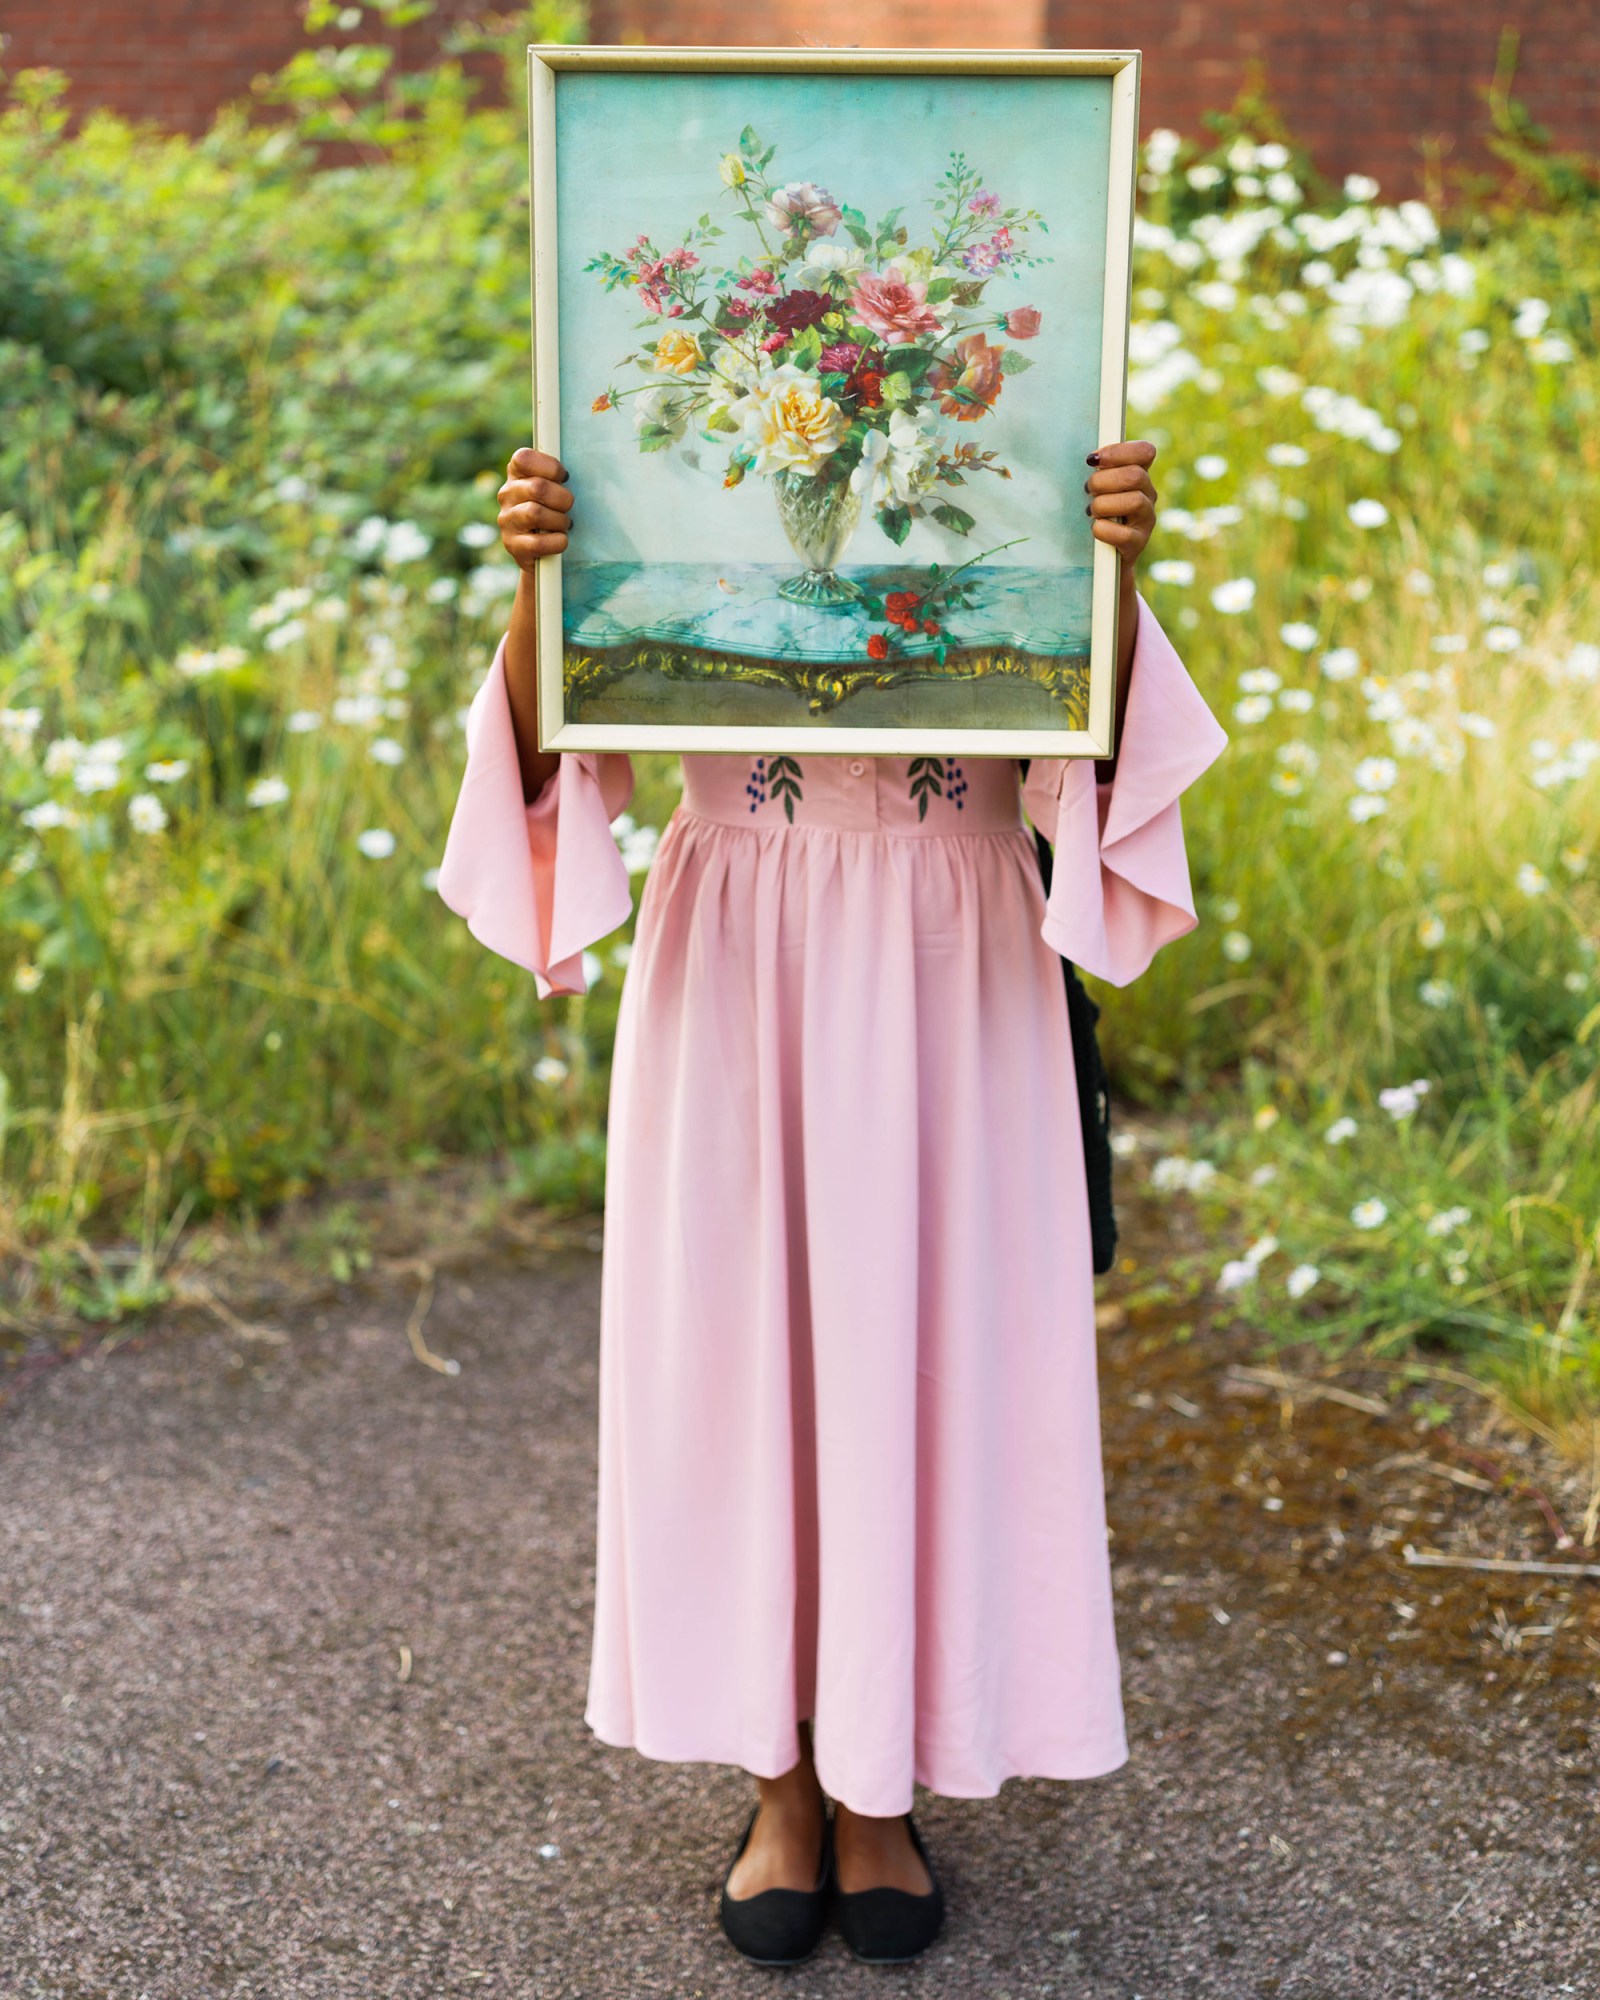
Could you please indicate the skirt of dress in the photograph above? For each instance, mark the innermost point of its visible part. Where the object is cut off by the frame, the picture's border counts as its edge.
(849, 1431)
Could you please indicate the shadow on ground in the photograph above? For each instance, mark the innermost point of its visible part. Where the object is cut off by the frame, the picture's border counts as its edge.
(293, 1636)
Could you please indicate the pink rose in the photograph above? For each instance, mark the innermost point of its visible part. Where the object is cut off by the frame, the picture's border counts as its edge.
(773, 342)
(1022, 322)
(898, 313)
(803, 202)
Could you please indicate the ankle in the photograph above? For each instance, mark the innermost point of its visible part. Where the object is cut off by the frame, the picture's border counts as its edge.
(796, 1795)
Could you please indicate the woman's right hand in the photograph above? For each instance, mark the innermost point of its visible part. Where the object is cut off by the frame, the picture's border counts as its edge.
(535, 507)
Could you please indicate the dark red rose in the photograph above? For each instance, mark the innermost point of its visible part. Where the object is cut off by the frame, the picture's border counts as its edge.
(798, 310)
(866, 385)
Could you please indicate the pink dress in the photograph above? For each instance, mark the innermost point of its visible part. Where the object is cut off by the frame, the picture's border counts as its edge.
(849, 1428)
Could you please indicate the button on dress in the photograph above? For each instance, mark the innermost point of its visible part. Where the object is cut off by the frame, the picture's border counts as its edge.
(850, 1457)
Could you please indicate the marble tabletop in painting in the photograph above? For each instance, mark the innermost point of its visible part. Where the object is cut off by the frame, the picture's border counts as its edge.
(737, 609)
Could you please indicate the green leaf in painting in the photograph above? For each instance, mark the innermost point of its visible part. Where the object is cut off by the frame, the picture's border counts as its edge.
(957, 519)
(1013, 363)
(895, 523)
(912, 362)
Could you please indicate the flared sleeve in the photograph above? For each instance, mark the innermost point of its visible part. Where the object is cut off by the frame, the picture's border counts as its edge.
(536, 883)
(1120, 886)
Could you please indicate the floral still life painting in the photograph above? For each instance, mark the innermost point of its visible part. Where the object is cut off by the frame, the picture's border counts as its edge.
(834, 356)
(817, 397)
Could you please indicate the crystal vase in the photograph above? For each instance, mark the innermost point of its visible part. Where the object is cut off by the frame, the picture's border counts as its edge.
(819, 516)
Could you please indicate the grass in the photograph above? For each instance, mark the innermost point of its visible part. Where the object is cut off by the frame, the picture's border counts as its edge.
(254, 417)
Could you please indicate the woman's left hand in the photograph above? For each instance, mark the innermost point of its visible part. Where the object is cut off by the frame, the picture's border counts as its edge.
(1122, 500)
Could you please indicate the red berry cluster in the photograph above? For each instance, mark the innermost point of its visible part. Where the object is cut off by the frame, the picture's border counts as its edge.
(905, 609)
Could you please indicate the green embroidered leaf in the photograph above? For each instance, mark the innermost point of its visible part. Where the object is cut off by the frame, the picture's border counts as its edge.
(783, 781)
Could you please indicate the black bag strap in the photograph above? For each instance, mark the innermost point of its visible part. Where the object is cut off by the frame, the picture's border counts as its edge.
(1094, 1086)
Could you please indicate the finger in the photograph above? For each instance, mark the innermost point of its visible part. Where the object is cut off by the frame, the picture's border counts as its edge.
(1120, 479)
(1120, 534)
(544, 491)
(535, 521)
(526, 463)
(526, 550)
(1136, 451)
(1126, 504)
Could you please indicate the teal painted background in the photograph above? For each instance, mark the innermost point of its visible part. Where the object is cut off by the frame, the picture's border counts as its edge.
(639, 153)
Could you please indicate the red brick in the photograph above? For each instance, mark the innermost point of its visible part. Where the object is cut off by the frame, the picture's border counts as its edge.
(1364, 84)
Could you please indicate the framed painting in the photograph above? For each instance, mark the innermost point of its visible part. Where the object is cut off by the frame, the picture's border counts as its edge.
(824, 337)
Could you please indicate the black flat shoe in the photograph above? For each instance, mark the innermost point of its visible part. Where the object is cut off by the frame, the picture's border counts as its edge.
(779, 1926)
(891, 1926)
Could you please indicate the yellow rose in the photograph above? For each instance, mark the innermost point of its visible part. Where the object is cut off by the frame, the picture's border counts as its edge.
(678, 353)
(732, 170)
(790, 426)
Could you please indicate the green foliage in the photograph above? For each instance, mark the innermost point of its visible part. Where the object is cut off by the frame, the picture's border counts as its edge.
(253, 414)
(1381, 534)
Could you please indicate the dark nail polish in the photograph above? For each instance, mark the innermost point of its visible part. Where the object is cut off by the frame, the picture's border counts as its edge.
(1088, 510)
(1094, 458)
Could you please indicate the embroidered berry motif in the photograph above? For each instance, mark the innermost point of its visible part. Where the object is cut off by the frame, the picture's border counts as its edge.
(937, 778)
(777, 777)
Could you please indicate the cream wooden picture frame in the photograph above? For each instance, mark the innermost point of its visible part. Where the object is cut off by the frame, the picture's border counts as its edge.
(850, 359)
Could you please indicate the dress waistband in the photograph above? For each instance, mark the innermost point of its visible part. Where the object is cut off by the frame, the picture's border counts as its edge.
(926, 797)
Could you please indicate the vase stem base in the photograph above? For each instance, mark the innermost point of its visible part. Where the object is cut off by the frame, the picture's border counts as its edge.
(821, 588)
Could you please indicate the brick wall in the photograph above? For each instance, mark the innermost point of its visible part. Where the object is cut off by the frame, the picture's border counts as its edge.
(176, 60)
(1362, 83)
(1366, 84)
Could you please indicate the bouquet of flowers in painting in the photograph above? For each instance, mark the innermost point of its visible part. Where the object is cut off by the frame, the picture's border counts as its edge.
(839, 362)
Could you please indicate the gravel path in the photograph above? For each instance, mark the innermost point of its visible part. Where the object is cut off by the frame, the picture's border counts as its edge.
(293, 1637)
